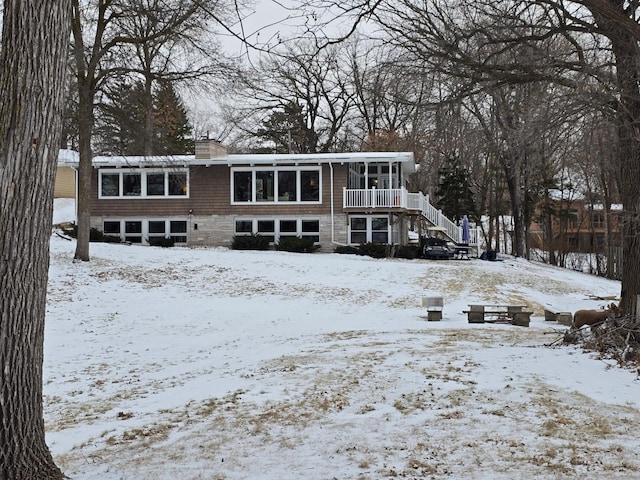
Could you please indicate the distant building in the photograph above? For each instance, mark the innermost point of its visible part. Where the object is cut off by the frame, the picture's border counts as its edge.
(578, 226)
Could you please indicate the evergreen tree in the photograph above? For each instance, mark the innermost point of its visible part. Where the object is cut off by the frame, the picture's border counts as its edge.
(454, 195)
(287, 129)
(120, 127)
(173, 133)
(120, 124)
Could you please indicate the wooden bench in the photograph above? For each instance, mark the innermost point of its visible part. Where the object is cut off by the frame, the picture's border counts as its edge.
(552, 314)
(513, 314)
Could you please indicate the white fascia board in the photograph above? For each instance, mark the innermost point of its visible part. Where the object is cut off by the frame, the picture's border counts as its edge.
(406, 158)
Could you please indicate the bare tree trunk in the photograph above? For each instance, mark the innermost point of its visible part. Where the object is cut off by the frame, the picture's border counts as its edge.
(148, 143)
(547, 235)
(626, 51)
(32, 77)
(512, 172)
(85, 171)
(86, 94)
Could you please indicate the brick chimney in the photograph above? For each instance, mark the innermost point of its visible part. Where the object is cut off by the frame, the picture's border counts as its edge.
(207, 148)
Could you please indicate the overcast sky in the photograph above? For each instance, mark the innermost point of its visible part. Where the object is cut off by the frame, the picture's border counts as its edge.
(270, 21)
(265, 24)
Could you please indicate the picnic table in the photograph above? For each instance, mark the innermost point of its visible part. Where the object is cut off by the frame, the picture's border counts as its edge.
(492, 313)
(461, 252)
(555, 314)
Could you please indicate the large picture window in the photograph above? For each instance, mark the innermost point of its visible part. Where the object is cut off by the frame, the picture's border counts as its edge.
(264, 186)
(155, 184)
(242, 182)
(177, 184)
(143, 183)
(310, 186)
(287, 186)
(275, 185)
(110, 185)
(131, 184)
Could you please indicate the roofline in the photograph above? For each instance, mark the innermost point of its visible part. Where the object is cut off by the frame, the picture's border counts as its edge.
(405, 158)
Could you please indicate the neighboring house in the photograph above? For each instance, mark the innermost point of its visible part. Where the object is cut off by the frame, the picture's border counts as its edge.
(582, 227)
(65, 186)
(207, 198)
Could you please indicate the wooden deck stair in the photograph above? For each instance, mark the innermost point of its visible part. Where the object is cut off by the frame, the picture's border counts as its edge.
(416, 204)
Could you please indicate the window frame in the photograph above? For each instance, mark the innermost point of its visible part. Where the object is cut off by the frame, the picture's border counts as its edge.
(143, 173)
(303, 225)
(368, 233)
(180, 234)
(274, 193)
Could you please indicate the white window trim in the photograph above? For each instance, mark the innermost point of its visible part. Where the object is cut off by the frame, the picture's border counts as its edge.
(275, 170)
(276, 221)
(369, 231)
(145, 235)
(143, 172)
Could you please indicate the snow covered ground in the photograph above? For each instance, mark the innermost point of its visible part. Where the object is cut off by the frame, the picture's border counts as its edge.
(218, 364)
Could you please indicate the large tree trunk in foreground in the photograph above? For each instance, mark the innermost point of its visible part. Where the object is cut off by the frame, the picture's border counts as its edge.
(35, 39)
(626, 50)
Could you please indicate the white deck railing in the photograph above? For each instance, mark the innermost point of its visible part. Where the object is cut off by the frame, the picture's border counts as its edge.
(400, 198)
(374, 198)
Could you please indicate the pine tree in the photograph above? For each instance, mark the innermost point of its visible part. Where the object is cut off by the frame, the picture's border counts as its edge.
(287, 129)
(454, 195)
(119, 128)
(173, 133)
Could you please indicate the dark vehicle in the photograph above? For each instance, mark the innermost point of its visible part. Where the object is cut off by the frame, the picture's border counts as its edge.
(437, 252)
(435, 249)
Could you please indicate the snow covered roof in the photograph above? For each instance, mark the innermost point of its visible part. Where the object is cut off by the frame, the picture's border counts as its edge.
(68, 157)
(406, 158)
(599, 206)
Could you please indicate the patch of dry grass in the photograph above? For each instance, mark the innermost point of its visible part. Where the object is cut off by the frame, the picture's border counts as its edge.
(348, 383)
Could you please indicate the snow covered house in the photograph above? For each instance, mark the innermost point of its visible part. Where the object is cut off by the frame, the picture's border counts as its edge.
(208, 198)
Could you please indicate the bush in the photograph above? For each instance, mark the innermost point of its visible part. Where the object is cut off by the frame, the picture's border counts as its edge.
(375, 250)
(296, 244)
(162, 242)
(250, 242)
(408, 251)
(381, 250)
(95, 235)
(347, 250)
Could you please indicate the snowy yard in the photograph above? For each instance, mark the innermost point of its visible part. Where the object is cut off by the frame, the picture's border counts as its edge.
(218, 364)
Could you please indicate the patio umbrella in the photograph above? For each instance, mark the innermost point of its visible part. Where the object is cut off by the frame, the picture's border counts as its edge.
(466, 234)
